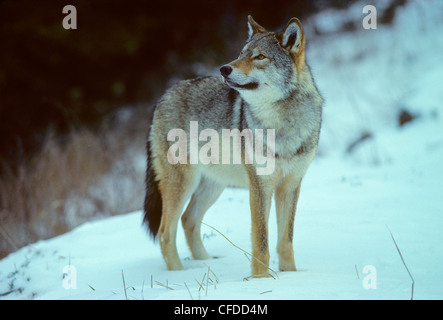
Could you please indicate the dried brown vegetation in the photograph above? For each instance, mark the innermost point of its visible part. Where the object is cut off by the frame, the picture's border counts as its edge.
(85, 175)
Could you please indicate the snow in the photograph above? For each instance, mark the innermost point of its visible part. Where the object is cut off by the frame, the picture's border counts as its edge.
(348, 205)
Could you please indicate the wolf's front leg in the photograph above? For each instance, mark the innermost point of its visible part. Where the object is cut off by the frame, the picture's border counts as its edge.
(286, 197)
(260, 195)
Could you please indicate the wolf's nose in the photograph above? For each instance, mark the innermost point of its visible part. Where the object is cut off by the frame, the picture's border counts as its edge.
(225, 71)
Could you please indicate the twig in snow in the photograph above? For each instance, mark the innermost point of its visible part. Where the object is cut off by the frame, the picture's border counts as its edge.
(266, 292)
(404, 263)
(207, 282)
(189, 291)
(244, 251)
(164, 285)
(201, 283)
(124, 285)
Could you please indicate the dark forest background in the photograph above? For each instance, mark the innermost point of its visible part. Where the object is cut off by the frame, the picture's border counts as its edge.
(122, 53)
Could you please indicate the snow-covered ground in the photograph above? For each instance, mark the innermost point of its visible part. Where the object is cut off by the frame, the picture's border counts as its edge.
(350, 201)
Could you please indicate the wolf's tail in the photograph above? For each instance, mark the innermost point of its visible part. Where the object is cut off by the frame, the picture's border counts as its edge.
(153, 199)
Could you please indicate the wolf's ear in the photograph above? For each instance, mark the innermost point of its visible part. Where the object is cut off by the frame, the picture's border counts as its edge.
(292, 37)
(254, 27)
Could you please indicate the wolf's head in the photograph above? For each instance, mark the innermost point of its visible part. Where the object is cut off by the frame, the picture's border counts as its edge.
(268, 65)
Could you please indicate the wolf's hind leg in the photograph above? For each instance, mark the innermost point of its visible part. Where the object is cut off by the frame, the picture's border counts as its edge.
(174, 196)
(204, 197)
(286, 198)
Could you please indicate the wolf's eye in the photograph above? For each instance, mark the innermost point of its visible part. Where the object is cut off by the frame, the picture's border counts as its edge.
(260, 57)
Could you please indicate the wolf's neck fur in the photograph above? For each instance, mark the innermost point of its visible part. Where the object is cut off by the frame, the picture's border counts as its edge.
(281, 110)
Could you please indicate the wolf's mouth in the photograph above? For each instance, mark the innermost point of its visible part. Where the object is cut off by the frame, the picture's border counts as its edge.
(246, 86)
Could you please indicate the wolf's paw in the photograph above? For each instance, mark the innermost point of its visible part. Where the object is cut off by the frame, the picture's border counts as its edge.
(290, 266)
(174, 266)
(257, 276)
(201, 256)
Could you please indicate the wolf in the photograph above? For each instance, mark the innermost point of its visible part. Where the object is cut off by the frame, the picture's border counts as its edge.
(269, 86)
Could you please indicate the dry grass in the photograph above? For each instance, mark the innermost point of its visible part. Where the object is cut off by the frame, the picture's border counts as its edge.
(83, 176)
